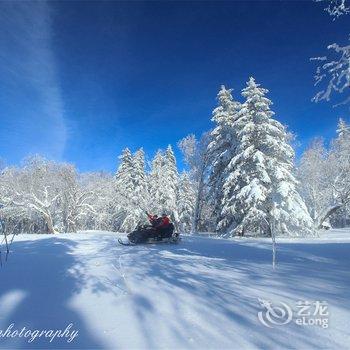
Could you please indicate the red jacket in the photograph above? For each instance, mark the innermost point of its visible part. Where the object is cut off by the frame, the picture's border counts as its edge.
(164, 223)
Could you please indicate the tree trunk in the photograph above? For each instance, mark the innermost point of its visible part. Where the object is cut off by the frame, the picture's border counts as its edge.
(49, 223)
(197, 208)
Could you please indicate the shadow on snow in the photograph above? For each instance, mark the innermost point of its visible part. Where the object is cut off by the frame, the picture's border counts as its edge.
(46, 288)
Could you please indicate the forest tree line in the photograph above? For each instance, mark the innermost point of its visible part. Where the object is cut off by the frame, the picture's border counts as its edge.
(240, 179)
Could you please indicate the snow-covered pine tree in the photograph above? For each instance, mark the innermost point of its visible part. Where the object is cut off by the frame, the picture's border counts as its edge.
(140, 178)
(140, 198)
(222, 146)
(164, 184)
(124, 185)
(186, 202)
(260, 191)
(171, 185)
(137, 198)
(155, 179)
(343, 129)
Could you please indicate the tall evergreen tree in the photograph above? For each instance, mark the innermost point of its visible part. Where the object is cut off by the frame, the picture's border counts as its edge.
(186, 202)
(164, 184)
(140, 179)
(343, 129)
(155, 181)
(222, 146)
(140, 196)
(124, 185)
(123, 178)
(260, 191)
(170, 185)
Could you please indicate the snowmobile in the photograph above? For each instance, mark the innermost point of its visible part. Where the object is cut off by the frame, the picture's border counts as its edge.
(148, 234)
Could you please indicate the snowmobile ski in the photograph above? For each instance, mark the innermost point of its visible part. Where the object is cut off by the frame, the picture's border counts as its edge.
(171, 240)
(120, 241)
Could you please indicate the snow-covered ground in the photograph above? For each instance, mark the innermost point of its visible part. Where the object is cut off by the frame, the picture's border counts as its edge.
(201, 293)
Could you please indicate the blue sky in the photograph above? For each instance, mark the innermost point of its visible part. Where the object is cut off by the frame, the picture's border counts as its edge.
(82, 80)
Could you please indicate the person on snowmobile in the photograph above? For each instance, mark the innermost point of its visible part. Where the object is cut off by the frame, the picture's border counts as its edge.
(143, 232)
(164, 222)
(165, 228)
(152, 231)
(160, 228)
(154, 219)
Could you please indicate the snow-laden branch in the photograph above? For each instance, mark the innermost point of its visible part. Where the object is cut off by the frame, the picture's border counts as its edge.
(336, 8)
(334, 73)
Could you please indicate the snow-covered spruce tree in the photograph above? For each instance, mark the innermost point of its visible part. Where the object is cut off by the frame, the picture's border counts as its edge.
(171, 185)
(221, 147)
(186, 202)
(124, 193)
(164, 184)
(343, 131)
(155, 179)
(140, 199)
(140, 179)
(260, 191)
